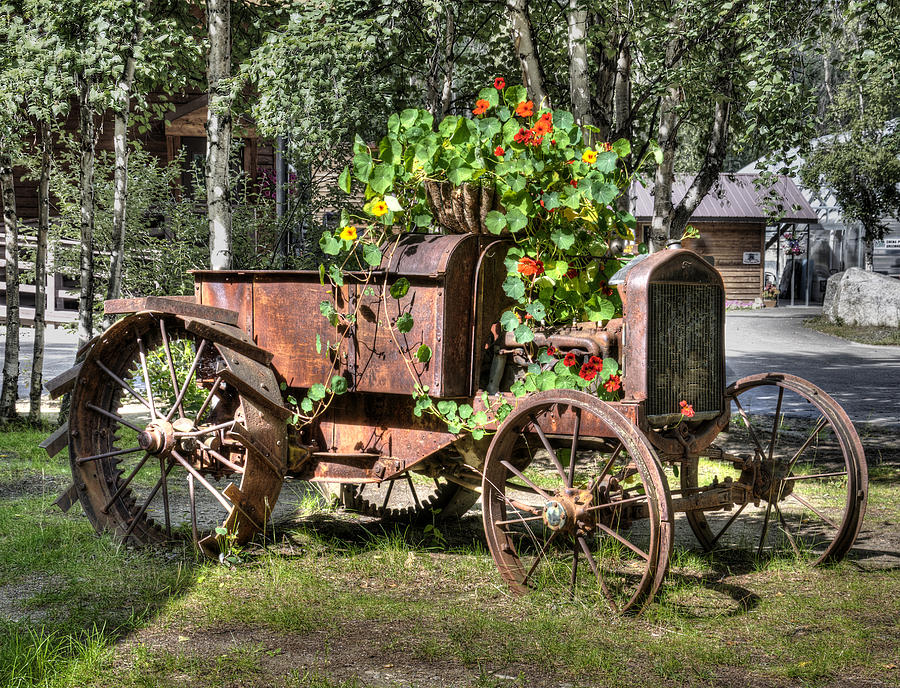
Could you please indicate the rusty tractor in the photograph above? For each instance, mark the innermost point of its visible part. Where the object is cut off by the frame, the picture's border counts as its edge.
(179, 422)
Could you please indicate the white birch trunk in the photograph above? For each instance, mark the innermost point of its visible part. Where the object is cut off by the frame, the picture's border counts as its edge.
(526, 49)
(86, 187)
(9, 392)
(218, 134)
(579, 84)
(40, 276)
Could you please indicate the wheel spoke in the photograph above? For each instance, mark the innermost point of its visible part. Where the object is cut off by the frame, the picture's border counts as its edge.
(387, 495)
(194, 530)
(124, 385)
(412, 489)
(765, 527)
(137, 516)
(776, 423)
(207, 430)
(171, 365)
(749, 425)
(540, 557)
(106, 455)
(187, 380)
(146, 373)
(818, 513)
(552, 452)
(221, 459)
(515, 471)
(608, 466)
(593, 565)
(574, 572)
(574, 451)
(520, 519)
(787, 531)
(165, 493)
(813, 435)
(627, 543)
(727, 524)
(114, 417)
(612, 505)
(200, 479)
(209, 397)
(814, 476)
(124, 484)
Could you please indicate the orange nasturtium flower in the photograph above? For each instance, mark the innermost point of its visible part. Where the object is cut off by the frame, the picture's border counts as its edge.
(499, 83)
(530, 267)
(348, 233)
(481, 106)
(589, 156)
(525, 108)
(687, 410)
(379, 208)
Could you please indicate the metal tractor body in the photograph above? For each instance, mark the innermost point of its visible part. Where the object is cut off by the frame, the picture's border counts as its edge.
(187, 396)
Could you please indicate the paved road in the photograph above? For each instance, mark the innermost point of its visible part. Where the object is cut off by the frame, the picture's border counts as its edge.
(864, 379)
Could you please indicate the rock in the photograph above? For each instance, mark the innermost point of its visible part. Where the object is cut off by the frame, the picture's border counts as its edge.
(857, 297)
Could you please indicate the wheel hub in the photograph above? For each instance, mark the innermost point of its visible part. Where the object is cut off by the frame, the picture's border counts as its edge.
(568, 510)
(157, 438)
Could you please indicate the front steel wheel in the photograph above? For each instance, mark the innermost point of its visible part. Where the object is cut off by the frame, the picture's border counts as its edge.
(794, 454)
(575, 501)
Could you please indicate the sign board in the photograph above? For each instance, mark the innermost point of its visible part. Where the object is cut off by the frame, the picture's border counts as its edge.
(751, 257)
(887, 242)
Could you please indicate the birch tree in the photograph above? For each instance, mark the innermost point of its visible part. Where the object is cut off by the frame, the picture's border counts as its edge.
(218, 133)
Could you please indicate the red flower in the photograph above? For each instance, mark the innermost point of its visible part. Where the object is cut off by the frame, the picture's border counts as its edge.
(537, 141)
(587, 372)
(607, 291)
(596, 361)
(572, 273)
(551, 350)
(530, 267)
(542, 127)
(522, 135)
(570, 360)
(604, 147)
(498, 151)
(613, 383)
(499, 83)
(687, 410)
(574, 182)
(481, 106)
(525, 108)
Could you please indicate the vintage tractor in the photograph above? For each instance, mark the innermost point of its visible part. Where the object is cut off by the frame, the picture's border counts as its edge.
(179, 422)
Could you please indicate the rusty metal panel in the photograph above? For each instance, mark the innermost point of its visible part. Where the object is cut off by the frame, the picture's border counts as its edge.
(231, 290)
(178, 305)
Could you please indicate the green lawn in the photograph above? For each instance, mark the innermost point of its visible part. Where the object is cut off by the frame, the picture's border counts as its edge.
(333, 600)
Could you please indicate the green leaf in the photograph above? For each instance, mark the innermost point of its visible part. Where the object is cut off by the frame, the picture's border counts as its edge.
(447, 407)
(404, 323)
(513, 287)
(536, 310)
(306, 405)
(509, 321)
(491, 95)
(563, 237)
(338, 385)
(399, 288)
(393, 204)
(408, 117)
(562, 119)
(330, 244)
(459, 175)
(465, 411)
(605, 192)
(478, 433)
(516, 219)
(317, 392)
(423, 219)
(344, 180)
(318, 344)
(606, 162)
(372, 255)
(480, 418)
(334, 272)
(597, 308)
(518, 388)
(382, 178)
(524, 334)
(495, 221)
(423, 353)
(362, 166)
(622, 147)
(551, 200)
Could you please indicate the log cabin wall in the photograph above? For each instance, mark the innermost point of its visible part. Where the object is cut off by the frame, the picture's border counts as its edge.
(727, 243)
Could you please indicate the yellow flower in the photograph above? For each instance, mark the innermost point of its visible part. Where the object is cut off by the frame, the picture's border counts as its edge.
(379, 208)
(589, 156)
(348, 233)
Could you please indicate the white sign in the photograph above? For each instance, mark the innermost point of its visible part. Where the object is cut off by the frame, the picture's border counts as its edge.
(751, 257)
(887, 243)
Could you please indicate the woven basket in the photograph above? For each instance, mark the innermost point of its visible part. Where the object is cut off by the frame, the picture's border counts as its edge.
(461, 209)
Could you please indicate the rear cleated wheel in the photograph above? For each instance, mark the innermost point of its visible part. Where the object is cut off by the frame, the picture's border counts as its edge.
(165, 443)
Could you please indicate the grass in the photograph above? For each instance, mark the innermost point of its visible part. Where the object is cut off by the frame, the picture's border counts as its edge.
(855, 333)
(333, 602)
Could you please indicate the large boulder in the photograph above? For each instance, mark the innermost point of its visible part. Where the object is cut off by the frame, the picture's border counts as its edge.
(857, 297)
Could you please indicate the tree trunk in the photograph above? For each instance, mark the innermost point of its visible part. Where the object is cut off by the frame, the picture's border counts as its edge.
(86, 187)
(218, 134)
(622, 108)
(868, 252)
(579, 84)
(120, 175)
(665, 172)
(602, 102)
(449, 63)
(9, 392)
(40, 276)
(526, 49)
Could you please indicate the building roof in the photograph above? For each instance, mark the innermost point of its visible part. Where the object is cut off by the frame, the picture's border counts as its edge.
(735, 197)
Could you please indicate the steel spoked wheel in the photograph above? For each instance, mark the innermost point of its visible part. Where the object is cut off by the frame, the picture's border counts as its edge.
(798, 469)
(164, 446)
(575, 501)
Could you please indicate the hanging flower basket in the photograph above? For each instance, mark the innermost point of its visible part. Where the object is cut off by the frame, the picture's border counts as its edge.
(461, 209)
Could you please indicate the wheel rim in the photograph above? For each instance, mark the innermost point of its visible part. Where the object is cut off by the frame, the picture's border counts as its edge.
(795, 452)
(596, 528)
(153, 442)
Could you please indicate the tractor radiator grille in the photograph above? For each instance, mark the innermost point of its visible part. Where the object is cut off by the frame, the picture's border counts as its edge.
(685, 348)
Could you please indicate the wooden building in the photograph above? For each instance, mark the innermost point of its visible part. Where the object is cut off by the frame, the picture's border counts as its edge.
(732, 221)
